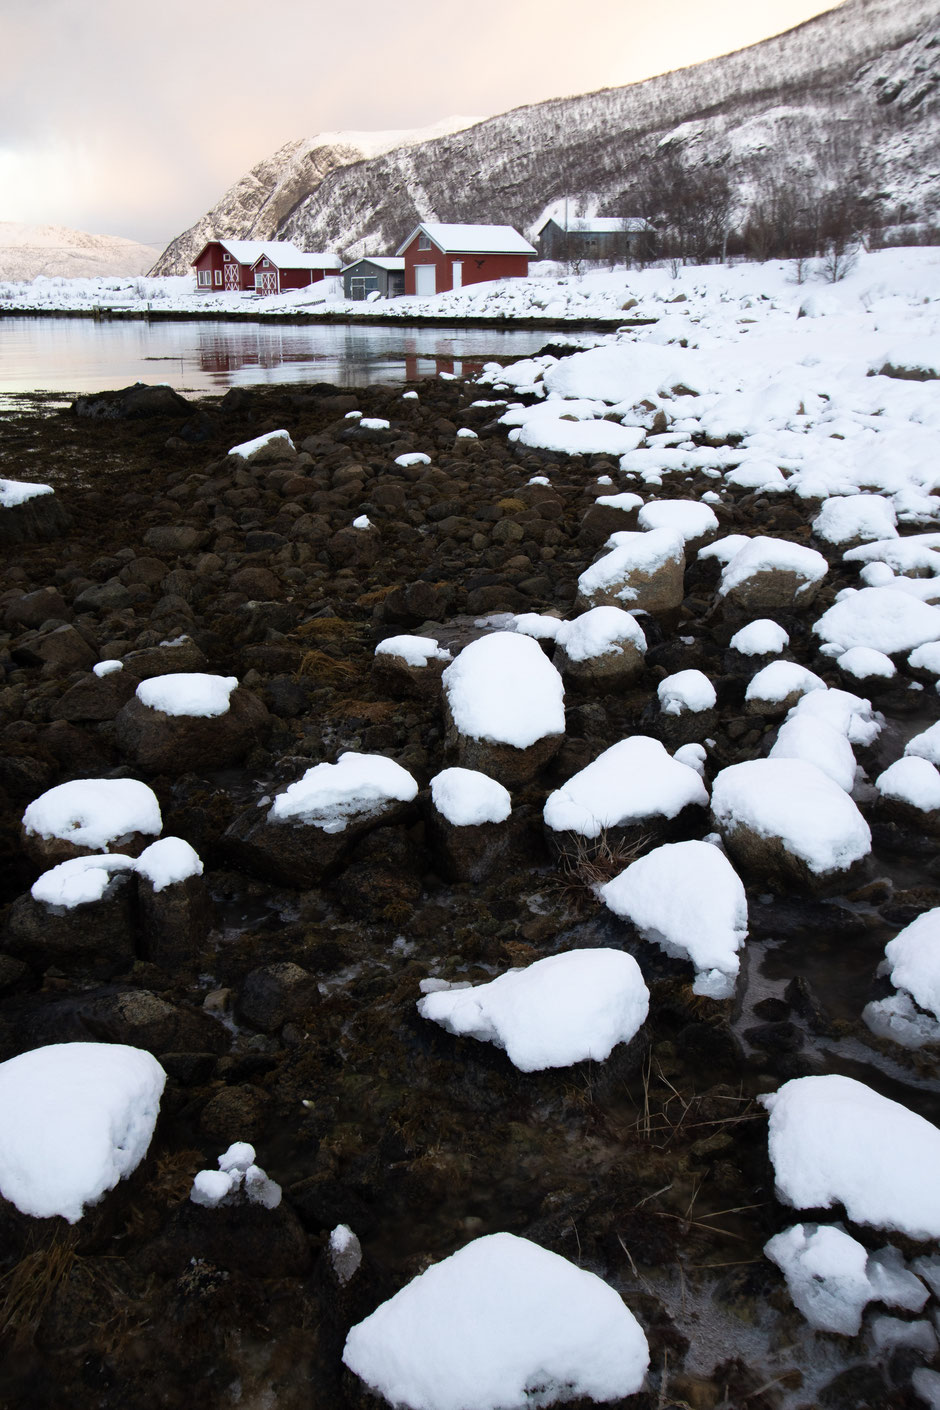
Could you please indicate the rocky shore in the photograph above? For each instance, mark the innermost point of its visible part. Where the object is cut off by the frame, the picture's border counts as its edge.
(280, 998)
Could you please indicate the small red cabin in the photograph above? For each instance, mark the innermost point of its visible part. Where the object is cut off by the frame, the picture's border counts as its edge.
(261, 266)
(441, 257)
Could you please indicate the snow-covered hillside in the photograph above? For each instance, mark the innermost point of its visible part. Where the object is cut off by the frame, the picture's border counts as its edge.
(27, 251)
(848, 99)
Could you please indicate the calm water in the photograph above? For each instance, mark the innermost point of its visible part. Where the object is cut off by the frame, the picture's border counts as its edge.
(78, 355)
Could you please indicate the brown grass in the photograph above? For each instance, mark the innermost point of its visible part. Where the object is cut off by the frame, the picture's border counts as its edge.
(325, 668)
(28, 1288)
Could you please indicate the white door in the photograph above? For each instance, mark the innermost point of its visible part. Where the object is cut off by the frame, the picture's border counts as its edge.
(231, 276)
(457, 272)
(425, 279)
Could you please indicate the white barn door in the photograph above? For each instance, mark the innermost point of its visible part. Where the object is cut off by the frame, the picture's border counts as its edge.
(456, 266)
(425, 279)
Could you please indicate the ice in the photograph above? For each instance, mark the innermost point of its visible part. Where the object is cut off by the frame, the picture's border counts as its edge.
(890, 1333)
(281, 439)
(825, 1272)
(94, 812)
(563, 1009)
(413, 650)
(76, 1118)
(468, 798)
(883, 618)
(762, 637)
(855, 516)
(780, 679)
(542, 1330)
(796, 802)
(188, 693)
(503, 688)
(168, 861)
(599, 632)
(686, 692)
(833, 1140)
(631, 780)
(345, 1253)
(329, 795)
(912, 780)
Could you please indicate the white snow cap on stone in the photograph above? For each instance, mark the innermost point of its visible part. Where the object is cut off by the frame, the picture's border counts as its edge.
(767, 555)
(863, 662)
(80, 880)
(541, 625)
(467, 798)
(688, 899)
(625, 500)
(248, 448)
(345, 1253)
(362, 521)
(93, 812)
(542, 1330)
(780, 679)
(724, 549)
(818, 742)
(374, 423)
(926, 658)
(911, 780)
(329, 795)
(599, 632)
(852, 715)
(107, 668)
(686, 692)
(831, 1277)
(168, 861)
(188, 693)
(76, 1118)
(686, 517)
(694, 755)
(925, 745)
(413, 650)
(883, 618)
(796, 802)
(562, 1009)
(913, 959)
(833, 1140)
(631, 553)
(413, 457)
(855, 516)
(631, 780)
(14, 492)
(237, 1176)
(762, 637)
(502, 687)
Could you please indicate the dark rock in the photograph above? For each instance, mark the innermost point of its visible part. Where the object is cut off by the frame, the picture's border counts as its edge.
(95, 698)
(277, 994)
(131, 404)
(42, 517)
(161, 743)
(165, 660)
(175, 923)
(97, 936)
(244, 1238)
(34, 608)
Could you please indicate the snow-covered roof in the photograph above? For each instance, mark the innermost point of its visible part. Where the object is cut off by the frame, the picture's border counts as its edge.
(472, 239)
(390, 262)
(282, 253)
(598, 224)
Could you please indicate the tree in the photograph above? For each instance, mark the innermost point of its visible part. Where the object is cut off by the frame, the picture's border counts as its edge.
(690, 206)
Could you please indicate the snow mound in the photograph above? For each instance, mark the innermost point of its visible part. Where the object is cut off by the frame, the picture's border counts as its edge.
(686, 692)
(913, 959)
(856, 516)
(413, 650)
(279, 439)
(631, 780)
(687, 898)
(769, 555)
(760, 638)
(864, 663)
(168, 861)
(912, 780)
(188, 693)
(560, 1010)
(14, 492)
(94, 812)
(780, 679)
(833, 1140)
(599, 632)
(831, 1277)
(79, 881)
(685, 517)
(818, 742)
(925, 745)
(330, 795)
(883, 618)
(542, 1330)
(76, 1118)
(503, 688)
(468, 798)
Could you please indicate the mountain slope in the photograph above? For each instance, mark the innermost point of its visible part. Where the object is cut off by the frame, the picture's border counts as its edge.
(27, 251)
(849, 99)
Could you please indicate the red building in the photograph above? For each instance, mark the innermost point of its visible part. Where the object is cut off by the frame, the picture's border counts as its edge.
(259, 266)
(441, 257)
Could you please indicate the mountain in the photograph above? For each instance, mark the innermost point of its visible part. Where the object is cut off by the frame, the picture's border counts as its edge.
(54, 250)
(848, 101)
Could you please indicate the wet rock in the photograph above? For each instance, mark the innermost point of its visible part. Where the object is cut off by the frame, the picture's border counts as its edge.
(167, 659)
(175, 923)
(98, 936)
(33, 521)
(243, 1238)
(236, 1113)
(277, 994)
(160, 743)
(381, 881)
(95, 698)
(33, 608)
(131, 403)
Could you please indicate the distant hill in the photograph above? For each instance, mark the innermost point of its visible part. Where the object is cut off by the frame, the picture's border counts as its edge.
(848, 101)
(27, 251)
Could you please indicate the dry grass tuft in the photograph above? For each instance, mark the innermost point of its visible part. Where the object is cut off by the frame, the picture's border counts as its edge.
(325, 668)
(28, 1288)
(585, 863)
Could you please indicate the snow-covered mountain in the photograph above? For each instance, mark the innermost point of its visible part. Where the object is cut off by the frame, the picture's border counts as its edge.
(849, 100)
(27, 251)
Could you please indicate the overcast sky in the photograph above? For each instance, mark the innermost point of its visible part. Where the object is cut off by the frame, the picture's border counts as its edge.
(132, 120)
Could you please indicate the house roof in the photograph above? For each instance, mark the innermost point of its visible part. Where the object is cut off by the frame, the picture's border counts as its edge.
(472, 239)
(282, 253)
(389, 262)
(597, 224)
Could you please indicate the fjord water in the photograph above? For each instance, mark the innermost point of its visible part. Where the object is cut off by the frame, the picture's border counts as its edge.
(75, 355)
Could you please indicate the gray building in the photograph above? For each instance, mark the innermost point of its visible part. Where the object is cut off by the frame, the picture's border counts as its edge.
(384, 274)
(591, 237)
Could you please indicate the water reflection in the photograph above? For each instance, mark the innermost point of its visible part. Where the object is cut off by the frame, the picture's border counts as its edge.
(79, 355)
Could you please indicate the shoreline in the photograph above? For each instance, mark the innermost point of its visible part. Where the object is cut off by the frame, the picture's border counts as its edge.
(109, 315)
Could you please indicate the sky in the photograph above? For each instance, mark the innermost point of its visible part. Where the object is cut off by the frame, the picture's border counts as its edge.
(124, 119)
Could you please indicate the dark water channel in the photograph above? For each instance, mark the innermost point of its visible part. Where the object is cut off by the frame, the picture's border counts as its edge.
(203, 357)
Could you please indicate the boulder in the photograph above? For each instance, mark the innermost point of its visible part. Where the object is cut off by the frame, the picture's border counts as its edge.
(133, 403)
(277, 994)
(640, 571)
(96, 937)
(160, 743)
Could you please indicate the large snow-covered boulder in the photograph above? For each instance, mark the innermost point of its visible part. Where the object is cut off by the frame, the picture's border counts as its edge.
(777, 688)
(784, 820)
(633, 784)
(563, 1009)
(883, 618)
(640, 572)
(833, 1140)
(410, 666)
(695, 522)
(308, 830)
(467, 826)
(909, 793)
(539, 1329)
(504, 707)
(687, 898)
(847, 520)
(603, 648)
(79, 916)
(76, 1118)
(91, 815)
(189, 720)
(769, 575)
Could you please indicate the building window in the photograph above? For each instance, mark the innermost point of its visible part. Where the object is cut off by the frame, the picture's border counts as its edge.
(226, 256)
(218, 276)
(424, 242)
(264, 264)
(204, 278)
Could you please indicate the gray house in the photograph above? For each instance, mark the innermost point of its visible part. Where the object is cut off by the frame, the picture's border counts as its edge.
(382, 273)
(591, 237)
